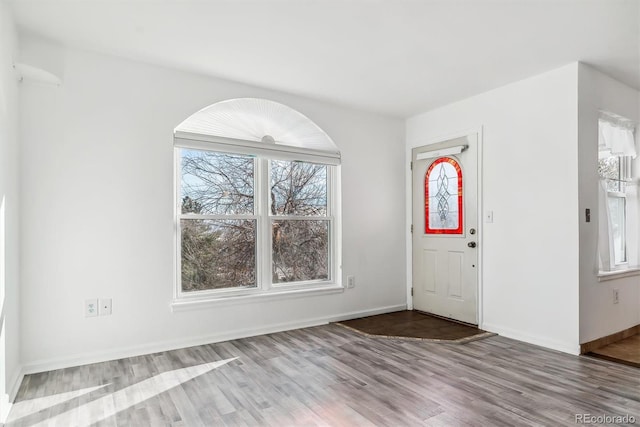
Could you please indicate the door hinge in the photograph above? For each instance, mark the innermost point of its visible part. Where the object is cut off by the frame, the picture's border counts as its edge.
(411, 291)
(412, 228)
(411, 165)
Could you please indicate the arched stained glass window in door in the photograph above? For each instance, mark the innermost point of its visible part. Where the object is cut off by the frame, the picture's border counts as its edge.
(443, 197)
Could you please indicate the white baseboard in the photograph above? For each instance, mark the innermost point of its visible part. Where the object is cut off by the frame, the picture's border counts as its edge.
(103, 356)
(532, 339)
(5, 407)
(6, 400)
(16, 380)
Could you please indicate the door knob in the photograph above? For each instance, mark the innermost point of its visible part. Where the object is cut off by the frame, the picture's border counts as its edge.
(471, 244)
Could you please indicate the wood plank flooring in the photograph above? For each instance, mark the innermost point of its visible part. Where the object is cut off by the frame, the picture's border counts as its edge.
(332, 376)
(625, 351)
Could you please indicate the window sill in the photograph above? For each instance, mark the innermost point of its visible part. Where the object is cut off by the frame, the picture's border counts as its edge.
(604, 276)
(186, 304)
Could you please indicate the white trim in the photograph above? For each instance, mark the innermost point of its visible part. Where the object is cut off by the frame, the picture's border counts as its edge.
(303, 218)
(177, 237)
(239, 146)
(447, 137)
(263, 219)
(443, 152)
(533, 339)
(5, 407)
(616, 119)
(604, 276)
(15, 383)
(7, 399)
(44, 365)
(263, 238)
(480, 222)
(409, 224)
(336, 213)
(216, 299)
(606, 247)
(220, 217)
(479, 131)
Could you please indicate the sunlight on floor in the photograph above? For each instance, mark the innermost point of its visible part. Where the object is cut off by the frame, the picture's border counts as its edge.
(109, 405)
(27, 407)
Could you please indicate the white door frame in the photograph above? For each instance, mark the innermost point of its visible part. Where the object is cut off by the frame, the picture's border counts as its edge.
(409, 210)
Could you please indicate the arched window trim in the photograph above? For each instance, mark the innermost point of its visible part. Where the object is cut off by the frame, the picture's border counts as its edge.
(456, 165)
(259, 120)
(240, 146)
(263, 152)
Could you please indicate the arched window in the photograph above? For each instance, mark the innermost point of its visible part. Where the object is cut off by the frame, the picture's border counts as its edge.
(443, 197)
(256, 198)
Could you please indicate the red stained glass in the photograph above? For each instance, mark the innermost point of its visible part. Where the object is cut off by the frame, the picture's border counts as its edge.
(443, 197)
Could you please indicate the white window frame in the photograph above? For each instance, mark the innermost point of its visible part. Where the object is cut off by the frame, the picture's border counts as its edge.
(624, 178)
(263, 153)
(625, 235)
(630, 265)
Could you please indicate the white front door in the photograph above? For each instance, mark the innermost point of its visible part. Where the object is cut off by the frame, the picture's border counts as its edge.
(445, 228)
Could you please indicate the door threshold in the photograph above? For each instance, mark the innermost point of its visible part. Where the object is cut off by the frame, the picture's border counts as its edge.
(473, 325)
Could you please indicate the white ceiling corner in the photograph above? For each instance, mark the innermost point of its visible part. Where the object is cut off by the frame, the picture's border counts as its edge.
(395, 57)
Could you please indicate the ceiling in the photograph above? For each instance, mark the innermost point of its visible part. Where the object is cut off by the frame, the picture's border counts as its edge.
(395, 57)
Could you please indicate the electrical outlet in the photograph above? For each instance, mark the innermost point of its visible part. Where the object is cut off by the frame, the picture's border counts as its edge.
(105, 307)
(616, 296)
(351, 282)
(91, 307)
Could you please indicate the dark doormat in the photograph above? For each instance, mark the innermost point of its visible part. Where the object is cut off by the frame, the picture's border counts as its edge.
(410, 324)
(626, 351)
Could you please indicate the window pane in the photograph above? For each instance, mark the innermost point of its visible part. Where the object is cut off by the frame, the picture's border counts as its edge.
(216, 183)
(298, 188)
(615, 185)
(618, 222)
(443, 197)
(218, 254)
(609, 169)
(300, 250)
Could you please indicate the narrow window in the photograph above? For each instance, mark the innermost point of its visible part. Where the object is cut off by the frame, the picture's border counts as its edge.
(616, 148)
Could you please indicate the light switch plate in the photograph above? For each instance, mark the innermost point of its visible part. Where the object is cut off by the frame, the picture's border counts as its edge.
(488, 216)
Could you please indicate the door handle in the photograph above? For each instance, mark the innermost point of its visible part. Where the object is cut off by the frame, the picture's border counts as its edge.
(471, 244)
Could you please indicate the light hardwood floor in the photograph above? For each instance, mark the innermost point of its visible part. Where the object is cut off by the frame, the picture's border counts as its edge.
(624, 351)
(329, 375)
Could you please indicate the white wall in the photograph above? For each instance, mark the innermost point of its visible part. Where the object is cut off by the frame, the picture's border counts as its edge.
(9, 264)
(97, 212)
(598, 315)
(530, 181)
